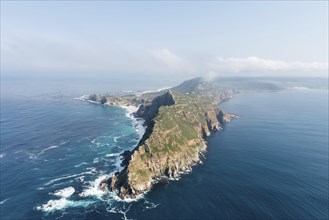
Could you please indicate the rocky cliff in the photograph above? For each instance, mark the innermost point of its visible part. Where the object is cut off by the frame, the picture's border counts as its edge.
(178, 122)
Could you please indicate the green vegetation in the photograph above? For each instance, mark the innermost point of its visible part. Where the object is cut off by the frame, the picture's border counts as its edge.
(184, 116)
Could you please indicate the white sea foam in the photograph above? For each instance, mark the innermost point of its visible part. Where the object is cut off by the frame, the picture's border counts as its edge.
(123, 211)
(137, 123)
(94, 188)
(58, 204)
(86, 98)
(2, 155)
(49, 148)
(62, 203)
(81, 164)
(93, 170)
(130, 108)
(117, 164)
(67, 177)
(112, 155)
(127, 200)
(83, 97)
(149, 205)
(99, 141)
(53, 205)
(65, 193)
(32, 156)
(96, 160)
(63, 142)
(82, 178)
(3, 201)
(116, 138)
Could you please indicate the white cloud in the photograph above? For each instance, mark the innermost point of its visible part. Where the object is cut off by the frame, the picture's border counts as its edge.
(56, 53)
(77, 54)
(258, 65)
(167, 57)
(169, 61)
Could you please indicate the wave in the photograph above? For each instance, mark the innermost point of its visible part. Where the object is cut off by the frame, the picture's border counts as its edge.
(129, 109)
(81, 164)
(3, 201)
(83, 97)
(115, 139)
(128, 200)
(68, 177)
(63, 203)
(112, 155)
(57, 204)
(65, 193)
(94, 188)
(48, 148)
(137, 123)
(102, 141)
(81, 178)
(63, 142)
(86, 99)
(124, 207)
(2, 155)
(32, 156)
(122, 211)
(149, 205)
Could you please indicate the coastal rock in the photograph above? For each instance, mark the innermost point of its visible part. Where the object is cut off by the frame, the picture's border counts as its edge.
(103, 184)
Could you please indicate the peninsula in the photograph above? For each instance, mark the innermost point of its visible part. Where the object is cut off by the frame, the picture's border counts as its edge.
(177, 122)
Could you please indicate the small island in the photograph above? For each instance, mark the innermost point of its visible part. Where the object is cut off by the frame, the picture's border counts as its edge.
(177, 122)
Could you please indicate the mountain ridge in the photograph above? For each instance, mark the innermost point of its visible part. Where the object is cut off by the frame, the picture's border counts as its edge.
(177, 121)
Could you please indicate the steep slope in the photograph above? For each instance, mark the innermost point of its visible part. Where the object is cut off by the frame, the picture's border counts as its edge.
(177, 124)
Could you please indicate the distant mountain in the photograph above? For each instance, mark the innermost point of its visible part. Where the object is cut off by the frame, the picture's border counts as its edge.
(270, 83)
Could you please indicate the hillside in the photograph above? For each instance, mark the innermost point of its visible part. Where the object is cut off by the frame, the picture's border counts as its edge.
(178, 121)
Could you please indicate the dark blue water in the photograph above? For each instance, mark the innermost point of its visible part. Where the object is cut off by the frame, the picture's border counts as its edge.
(272, 162)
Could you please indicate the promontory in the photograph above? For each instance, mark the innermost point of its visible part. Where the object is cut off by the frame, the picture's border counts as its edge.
(177, 122)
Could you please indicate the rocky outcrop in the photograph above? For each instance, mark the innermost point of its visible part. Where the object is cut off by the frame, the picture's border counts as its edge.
(149, 111)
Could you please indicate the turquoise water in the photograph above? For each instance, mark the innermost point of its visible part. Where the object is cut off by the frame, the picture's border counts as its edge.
(272, 162)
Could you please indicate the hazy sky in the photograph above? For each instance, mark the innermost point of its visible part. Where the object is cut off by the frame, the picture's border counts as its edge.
(165, 38)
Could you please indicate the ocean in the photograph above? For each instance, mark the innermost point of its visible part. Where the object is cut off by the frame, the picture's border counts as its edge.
(271, 162)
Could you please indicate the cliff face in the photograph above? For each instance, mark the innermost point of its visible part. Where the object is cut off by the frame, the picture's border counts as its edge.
(177, 124)
(149, 111)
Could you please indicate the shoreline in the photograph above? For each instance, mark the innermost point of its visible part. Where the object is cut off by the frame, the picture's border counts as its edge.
(137, 123)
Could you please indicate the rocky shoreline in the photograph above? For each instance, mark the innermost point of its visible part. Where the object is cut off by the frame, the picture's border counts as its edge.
(178, 122)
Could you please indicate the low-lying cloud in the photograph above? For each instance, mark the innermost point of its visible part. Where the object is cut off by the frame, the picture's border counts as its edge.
(256, 64)
(46, 54)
